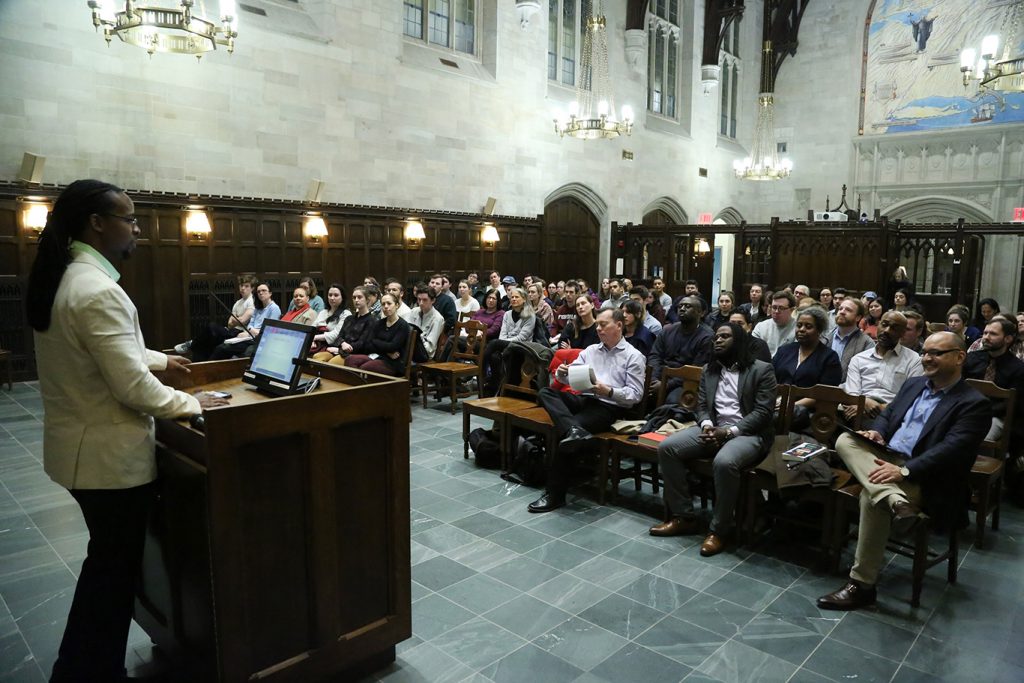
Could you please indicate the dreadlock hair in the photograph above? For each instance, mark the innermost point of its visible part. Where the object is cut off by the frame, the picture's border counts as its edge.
(68, 221)
(742, 353)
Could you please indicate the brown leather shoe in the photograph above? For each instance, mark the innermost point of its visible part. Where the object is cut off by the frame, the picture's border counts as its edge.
(677, 526)
(905, 518)
(853, 595)
(712, 545)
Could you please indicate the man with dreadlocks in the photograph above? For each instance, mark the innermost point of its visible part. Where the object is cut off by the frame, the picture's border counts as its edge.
(99, 396)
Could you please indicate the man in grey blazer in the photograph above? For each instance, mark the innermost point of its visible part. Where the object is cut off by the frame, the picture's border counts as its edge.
(846, 338)
(735, 414)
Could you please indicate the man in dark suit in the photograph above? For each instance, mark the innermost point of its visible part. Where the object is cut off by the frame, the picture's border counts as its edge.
(932, 429)
(735, 409)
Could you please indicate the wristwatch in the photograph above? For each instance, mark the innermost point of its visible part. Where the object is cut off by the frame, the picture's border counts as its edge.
(905, 472)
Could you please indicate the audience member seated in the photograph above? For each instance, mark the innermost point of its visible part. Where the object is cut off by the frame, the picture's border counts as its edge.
(581, 331)
(869, 323)
(901, 301)
(687, 342)
(566, 309)
(517, 325)
(355, 331)
(1017, 347)
(426, 316)
(957, 322)
(386, 349)
(735, 417)
(994, 363)
(373, 298)
(489, 314)
(617, 295)
(781, 328)
(846, 337)
(758, 348)
(445, 305)
(605, 291)
(264, 308)
(936, 423)
(913, 337)
(720, 316)
(329, 321)
(634, 331)
(552, 297)
(802, 292)
(213, 334)
(690, 288)
(395, 288)
(315, 302)
(838, 296)
(642, 296)
(300, 312)
(619, 369)
(535, 293)
(660, 295)
(807, 361)
(652, 304)
(880, 372)
(987, 308)
(758, 308)
(825, 299)
(465, 304)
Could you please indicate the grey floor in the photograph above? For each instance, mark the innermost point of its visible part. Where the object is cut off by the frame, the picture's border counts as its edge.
(582, 594)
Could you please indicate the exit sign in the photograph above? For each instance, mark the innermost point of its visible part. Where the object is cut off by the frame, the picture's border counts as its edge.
(1018, 214)
(706, 218)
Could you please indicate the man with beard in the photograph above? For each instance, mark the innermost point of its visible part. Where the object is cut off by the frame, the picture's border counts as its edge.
(932, 430)
(687, 342)
(994, 363)
(445, 305)
(735, 414)
(878, 373)
(846, 338)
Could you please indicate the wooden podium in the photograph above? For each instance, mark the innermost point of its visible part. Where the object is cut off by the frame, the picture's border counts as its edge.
(279, 547)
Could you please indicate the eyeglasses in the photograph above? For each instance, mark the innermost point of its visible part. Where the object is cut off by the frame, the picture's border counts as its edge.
(127, 219)
(936, 353)
(780, 308)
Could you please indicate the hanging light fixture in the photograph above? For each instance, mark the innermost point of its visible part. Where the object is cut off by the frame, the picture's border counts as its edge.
(592, 114)
(165, 28)
(992, 70)
(763, 162)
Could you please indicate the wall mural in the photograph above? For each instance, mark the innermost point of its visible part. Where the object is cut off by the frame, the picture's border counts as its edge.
(912, 73)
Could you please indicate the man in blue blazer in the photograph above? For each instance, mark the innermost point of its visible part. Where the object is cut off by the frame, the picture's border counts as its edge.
(735, 417)
(932, 431)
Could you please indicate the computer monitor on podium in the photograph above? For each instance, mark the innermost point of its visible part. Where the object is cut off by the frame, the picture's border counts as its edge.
(276, 366)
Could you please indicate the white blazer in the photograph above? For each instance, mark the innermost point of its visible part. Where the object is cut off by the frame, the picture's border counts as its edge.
(99, 394)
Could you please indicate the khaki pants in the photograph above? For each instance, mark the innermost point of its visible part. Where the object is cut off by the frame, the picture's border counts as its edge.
(875, 506)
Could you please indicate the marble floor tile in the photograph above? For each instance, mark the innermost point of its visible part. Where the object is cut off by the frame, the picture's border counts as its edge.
(477, 643)
(479, 593)
(581, 643)
(435, 615)
(622, 616)
(560, 555)
(658, 593)
(735, 662)
(530, 663)
(715, 614)
(569, 593)
(681, 641)
(526, 616)
(839, 661)
(636, 663)
(440, 572)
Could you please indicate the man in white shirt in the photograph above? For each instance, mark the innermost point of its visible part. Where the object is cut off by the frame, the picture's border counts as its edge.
(426, 318)
(661, 295)
(781, 329)
(393, 287)
(616, 294)
(879, 373)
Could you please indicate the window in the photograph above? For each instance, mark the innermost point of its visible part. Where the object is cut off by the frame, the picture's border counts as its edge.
(449, 23)
(663, 58)
(729, 59)
(567, 24)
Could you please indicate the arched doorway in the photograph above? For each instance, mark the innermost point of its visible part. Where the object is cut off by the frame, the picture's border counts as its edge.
(572, 234)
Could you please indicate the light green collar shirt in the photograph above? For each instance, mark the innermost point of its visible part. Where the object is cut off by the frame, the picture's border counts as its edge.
(83, 248)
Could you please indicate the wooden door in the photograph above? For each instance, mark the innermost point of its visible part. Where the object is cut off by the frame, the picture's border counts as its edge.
(571, 242)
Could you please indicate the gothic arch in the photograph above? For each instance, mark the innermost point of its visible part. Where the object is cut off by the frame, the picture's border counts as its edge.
(937, 209)
(584, 195)
(729, 216)
(670, 207)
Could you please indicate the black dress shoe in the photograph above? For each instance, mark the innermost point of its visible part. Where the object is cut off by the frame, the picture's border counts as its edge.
(905, 518)
(547, 503)
(575, 439)
(851, 596)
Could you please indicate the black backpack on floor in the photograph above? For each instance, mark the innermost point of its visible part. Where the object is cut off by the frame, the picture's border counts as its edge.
(527, 463)
(485, 446)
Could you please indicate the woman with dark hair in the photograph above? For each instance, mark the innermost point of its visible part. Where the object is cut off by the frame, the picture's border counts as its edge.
(987, 308)
(633, 329)
(901, 300)
(806, 361)
(720, 315)
(958, 322)
(264, 309)
(869, 323)
(100, 395)
(490, 314)
(329, 321)
(386, 350)
(355, 331)
(315, 301)
(581, 331)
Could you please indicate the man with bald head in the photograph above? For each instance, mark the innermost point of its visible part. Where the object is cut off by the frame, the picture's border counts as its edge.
(879, 373)
(918, 456)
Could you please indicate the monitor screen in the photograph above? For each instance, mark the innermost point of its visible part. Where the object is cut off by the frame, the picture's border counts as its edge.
(280, 344)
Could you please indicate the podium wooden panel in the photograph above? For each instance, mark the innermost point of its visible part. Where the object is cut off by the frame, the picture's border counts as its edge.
(279, 547)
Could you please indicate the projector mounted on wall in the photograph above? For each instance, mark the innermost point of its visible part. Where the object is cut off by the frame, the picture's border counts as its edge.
(830, 216)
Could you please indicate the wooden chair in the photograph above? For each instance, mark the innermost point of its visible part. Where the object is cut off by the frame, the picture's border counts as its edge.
(466, 363)
(988, 470)
(824, 423)
(410, 347)
(5, 364)
(512, 396)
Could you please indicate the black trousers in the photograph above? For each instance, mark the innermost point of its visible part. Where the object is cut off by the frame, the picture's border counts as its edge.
(208, 339)
(492, 361)
(569, 410)
(96, 636)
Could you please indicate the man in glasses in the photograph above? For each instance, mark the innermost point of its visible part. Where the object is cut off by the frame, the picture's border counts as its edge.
(781, 329)
(918, 456)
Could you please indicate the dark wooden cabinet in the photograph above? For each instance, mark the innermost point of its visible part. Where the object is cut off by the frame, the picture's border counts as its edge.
(279, 548)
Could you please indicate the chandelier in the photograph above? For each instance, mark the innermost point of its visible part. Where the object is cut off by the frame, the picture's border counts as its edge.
(592, 114)
(763, 162)
(167, 29)
(1005, 72)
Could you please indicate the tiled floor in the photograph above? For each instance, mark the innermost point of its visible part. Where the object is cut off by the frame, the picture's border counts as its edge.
(582, 594)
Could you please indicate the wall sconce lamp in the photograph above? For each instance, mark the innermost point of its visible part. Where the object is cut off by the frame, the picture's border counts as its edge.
(35, 217)
(490, 235)
(414, 231)
(197, 223)
(315, 228)
(701, 247)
